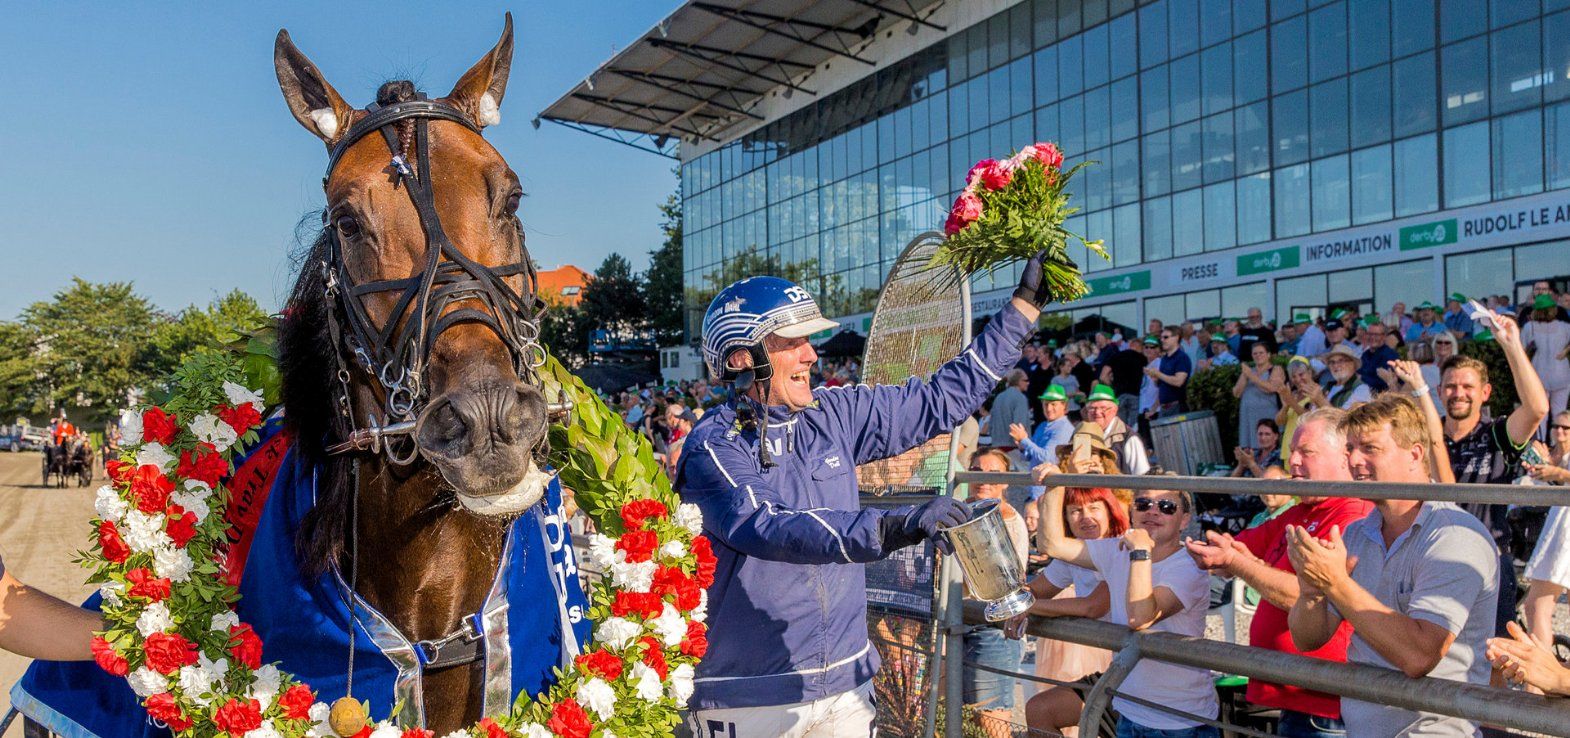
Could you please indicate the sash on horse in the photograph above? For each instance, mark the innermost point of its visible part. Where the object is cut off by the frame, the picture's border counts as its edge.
(304, 625)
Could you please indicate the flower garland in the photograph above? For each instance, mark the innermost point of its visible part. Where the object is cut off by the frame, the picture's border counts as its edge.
(1012, 209)
(173, 634)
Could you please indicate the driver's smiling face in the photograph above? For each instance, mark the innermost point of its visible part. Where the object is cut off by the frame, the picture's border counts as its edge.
(792, 359)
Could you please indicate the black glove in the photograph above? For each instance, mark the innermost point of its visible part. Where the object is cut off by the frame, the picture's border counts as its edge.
(909, 526)
(1032, 283)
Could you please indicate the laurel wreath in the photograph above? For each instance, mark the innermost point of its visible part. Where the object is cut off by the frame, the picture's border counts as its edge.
(172, 632)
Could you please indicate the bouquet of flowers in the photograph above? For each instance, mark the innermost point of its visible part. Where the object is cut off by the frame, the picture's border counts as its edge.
(1009, 211)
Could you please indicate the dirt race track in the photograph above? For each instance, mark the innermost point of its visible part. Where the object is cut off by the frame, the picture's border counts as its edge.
(41, 529)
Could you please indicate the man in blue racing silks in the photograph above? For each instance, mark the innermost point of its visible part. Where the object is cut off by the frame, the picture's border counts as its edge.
(774, 471)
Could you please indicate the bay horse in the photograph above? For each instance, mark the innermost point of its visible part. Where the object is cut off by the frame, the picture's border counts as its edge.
(408, 356)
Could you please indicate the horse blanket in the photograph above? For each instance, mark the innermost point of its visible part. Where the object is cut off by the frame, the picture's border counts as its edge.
(304, 624)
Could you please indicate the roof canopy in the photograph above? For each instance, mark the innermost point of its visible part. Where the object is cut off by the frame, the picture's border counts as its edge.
(704, 68)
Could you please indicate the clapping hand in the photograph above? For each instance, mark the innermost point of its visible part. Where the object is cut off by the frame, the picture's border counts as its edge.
(1410, 374)
(1216, 552)
(1320, 565)
(1017, 432)
(1523, 660)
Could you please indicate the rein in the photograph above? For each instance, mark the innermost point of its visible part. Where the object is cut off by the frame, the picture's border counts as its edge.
(397, 353)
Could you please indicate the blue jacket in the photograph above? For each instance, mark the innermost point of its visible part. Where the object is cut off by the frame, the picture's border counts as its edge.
(788, 609)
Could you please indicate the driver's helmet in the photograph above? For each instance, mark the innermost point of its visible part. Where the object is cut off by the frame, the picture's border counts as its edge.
(742, 314)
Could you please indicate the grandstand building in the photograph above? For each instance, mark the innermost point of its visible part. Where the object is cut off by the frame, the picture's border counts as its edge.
(1286, 154)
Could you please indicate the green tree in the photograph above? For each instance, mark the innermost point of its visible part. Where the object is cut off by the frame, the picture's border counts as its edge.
(662, 283)
(612, 300)
(21, 390)
(222, 322)
(91, 345)
(752, 263)
(565, 332)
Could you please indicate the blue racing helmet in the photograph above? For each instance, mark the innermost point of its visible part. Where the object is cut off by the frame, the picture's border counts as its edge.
(742, 314)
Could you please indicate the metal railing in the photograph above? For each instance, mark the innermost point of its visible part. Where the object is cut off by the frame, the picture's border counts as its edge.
(1489, 705)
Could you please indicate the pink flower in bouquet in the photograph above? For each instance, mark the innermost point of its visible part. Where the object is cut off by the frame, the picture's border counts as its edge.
(967, 210)
(1048, 155)
(973, 176)
(997, 175)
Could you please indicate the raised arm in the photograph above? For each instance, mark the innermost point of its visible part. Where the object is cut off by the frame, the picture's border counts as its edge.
(1147, 603)
(1525, 419)
(1411, 376)
(1051, 537)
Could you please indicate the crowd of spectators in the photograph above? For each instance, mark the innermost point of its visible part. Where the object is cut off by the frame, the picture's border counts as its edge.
(1426, 588)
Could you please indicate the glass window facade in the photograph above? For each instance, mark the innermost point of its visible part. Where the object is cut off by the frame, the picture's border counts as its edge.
(1213, 124)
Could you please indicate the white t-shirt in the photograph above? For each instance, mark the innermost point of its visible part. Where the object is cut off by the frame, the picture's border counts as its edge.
(1179, 687)
(1061, 574)
(1551, 338)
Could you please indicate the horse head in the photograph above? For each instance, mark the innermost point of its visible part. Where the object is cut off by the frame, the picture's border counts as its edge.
(431, 298)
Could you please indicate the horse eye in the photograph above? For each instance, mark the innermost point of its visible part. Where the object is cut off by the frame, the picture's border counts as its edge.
(513, 201)
(347, 225)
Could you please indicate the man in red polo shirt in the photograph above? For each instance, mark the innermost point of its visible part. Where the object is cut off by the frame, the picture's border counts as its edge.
(1259, 556)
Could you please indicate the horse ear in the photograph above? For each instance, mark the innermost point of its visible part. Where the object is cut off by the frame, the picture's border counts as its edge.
(311, 99)
(479, 92)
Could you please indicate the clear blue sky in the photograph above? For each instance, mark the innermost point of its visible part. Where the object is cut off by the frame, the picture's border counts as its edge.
(149, 142)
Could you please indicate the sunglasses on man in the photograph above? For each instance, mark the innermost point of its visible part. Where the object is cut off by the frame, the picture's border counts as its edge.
(1167, 507)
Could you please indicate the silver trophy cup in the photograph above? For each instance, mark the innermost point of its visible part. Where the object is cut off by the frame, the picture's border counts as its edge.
(992, 568)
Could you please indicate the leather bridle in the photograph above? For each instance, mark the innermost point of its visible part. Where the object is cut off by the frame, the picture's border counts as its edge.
(396, 354)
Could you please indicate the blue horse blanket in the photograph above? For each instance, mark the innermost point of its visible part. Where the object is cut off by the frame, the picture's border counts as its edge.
(304, 625)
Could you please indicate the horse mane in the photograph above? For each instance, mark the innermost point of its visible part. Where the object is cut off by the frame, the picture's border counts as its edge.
(305, 360)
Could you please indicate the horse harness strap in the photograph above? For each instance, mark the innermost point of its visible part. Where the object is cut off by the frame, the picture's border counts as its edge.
(396, 354)
(465, 645)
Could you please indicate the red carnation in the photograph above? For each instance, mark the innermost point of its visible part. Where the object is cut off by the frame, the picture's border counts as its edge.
(162, 706)
(413, 732)
(696, 642)
(365, 732)
(688, 595)
(120, 471)
(182, 525)
(241, 418)
(144, 584)
(151, 488)
(158, 425)
(568, 720)
(639, 545)
(654, 656)
(203, 464)
(167, 652)
(602, 663)
(245, 645)
(646, 604)
(296, 702)
(113, 545)
(238, 718)
(997, 176)
(634, 513)
(668, 580)
(977, 169)
(492, 730)
(1049, 155)
(108, 659)
(967, 210)
(703, 550)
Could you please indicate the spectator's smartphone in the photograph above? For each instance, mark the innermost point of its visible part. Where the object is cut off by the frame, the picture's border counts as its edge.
(1531, 456)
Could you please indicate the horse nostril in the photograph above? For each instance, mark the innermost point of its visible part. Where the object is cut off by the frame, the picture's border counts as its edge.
(443, 431)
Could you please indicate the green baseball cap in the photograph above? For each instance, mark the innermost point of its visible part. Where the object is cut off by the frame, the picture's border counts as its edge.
(1101, 392)
(1426, 305)
(1458, 297)
(1372, 319)
(1054, 393)
(1152, 341)
(1052, 343)
(1483, 335)
(1302, 318)
(1543, 302)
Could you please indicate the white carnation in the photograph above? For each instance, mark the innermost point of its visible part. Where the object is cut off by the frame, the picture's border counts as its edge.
(131, 429)
(265, 688)
(146, 682)
(633, 577)
(223, 621)
(602, 551)
(674, 549)
(193, 498)
(616, 633)
(196, 682)
(535, 730)
(154, 453)
(595, 695)
(268, 730)
(466, 734)
(690, 517)
(155, 618)
(321, 728)
(173, 564)
(385, 729)
(111, 592)
(109, 505)
(210, 428)
(670, 626)
(681, 684)
(646, 683)
(145, 533)
(238, 394)
(701, 612)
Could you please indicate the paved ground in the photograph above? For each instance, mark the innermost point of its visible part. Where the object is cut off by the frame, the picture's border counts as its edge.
(41, 529)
